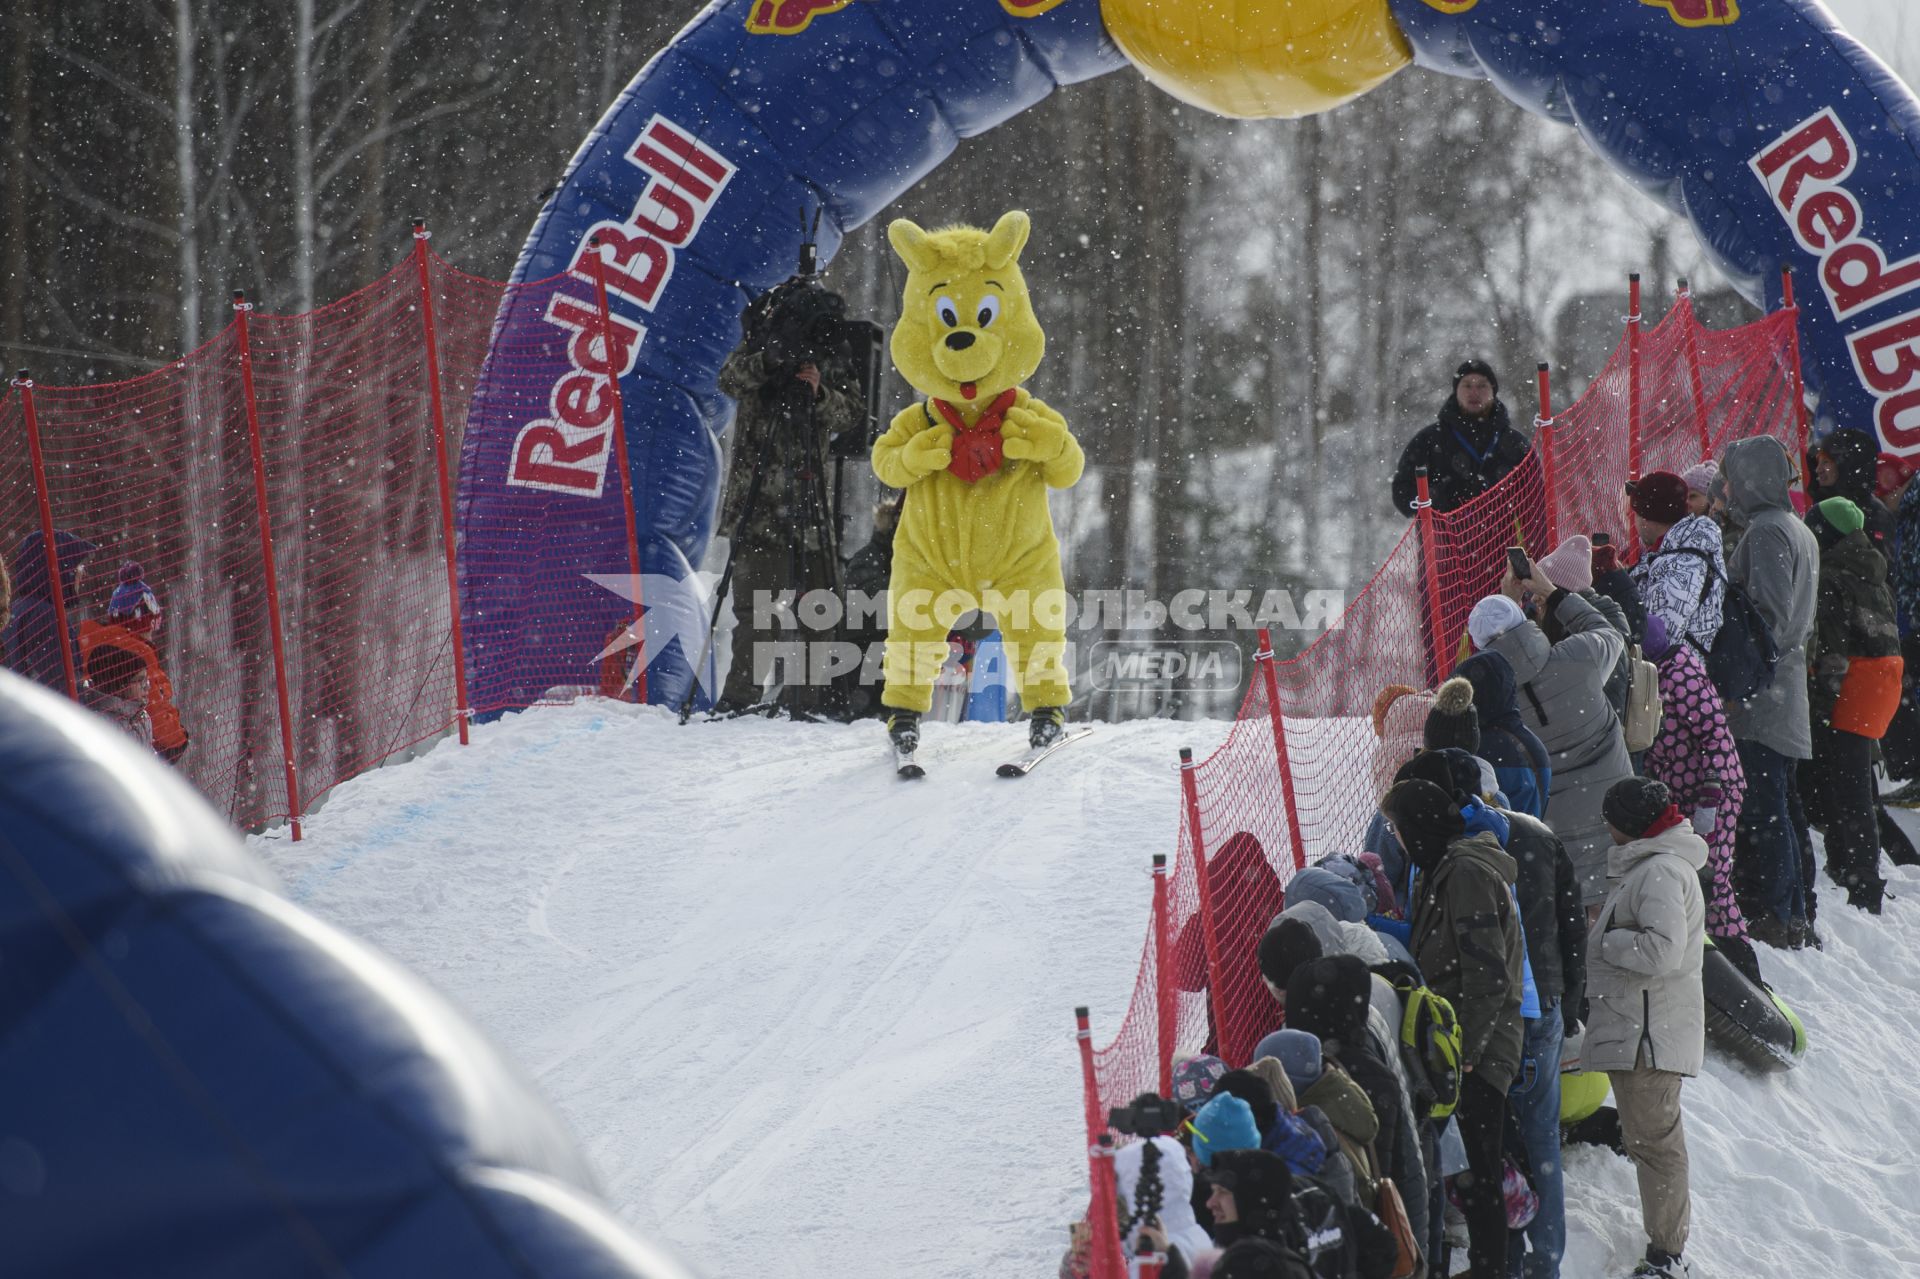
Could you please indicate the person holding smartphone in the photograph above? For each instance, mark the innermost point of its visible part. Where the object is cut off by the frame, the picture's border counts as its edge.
(1562, 662)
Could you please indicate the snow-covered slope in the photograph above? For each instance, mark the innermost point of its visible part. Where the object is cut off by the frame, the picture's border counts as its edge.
(810, 1020)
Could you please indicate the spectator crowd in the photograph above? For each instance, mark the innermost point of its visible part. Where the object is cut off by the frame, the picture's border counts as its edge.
(1623, 776)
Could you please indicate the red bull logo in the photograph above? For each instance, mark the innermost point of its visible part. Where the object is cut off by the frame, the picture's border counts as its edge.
(1700, 13)
(567, 450)
(1451, 6)
(789, 17)
(1808, 171)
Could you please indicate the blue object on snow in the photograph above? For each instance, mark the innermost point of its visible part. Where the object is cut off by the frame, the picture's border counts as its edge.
(204, 1081)
(987, 698)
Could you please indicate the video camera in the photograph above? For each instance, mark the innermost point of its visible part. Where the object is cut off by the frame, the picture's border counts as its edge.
(1149, 1115)
(802, 321)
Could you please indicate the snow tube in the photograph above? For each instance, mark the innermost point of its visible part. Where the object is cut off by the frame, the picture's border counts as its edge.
(1783, 140)
(1749, 1023)
(204, 1081)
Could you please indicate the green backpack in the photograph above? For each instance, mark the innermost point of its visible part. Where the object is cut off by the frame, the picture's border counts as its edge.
(1431, 1044)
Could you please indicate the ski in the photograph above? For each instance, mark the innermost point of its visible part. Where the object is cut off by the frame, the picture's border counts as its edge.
(904, 765)
(1029, 759)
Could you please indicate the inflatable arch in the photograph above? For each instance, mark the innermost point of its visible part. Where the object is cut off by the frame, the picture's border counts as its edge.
(1782, 139)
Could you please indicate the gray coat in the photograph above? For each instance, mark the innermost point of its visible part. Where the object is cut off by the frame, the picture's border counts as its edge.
(1563, 699)
(1777, 564)
(1644, 955)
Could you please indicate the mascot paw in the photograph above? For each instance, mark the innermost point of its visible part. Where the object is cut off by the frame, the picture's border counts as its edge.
(1034, 433)
(929, 452)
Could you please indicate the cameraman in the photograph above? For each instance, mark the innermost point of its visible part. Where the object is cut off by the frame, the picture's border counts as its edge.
(795, 390)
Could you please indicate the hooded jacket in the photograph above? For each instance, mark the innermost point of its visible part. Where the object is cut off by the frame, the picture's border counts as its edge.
(1333, 997)
(1855, 457)
(1336, 910)
(1563, 699)
(1464, 457)
(1853, 618)
(1777, 564)
(1644, 955)
(1519, 758)
(1345, 1105)
(1673, 577)
(1466, 939)
(29, 640)
(1176, 1194)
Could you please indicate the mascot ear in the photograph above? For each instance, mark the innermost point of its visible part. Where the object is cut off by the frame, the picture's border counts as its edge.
(1009, 236)
(912, 244)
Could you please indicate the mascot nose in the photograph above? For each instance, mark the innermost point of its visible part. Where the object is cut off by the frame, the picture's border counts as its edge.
(959, 341)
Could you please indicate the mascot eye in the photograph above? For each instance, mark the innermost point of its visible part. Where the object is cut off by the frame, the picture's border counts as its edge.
(989, 311)
(949, 313)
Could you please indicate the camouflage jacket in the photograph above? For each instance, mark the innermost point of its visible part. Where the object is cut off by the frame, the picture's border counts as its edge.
(759, 392)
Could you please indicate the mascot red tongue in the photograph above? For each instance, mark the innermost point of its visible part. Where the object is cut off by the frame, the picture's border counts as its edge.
(975, 524)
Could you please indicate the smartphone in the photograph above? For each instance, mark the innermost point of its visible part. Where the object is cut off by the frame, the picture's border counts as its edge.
(1601, 539)
(1517, 564)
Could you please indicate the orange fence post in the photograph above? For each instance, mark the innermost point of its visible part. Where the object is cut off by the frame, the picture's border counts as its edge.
(1215, 987)
(1799, 380)
(1430, 555)
(1164, 994)
(1103, 1217)
(640, 654)
(1693, 373)
(24, 384)
(1264, 660)
(241, 310)
(1633, 376)
(1543, 431)
(460, 709)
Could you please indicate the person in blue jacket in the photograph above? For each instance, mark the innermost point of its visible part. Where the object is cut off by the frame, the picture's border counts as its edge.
(31, 638)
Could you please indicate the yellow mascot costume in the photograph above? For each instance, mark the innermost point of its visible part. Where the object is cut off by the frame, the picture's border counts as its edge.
(976, 458)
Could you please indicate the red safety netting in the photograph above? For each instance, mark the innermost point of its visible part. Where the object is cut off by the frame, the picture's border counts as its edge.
(356, 488)
(1695, 390)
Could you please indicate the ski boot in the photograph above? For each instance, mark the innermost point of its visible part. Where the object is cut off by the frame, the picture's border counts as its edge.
(903, 729)
(1049, 725)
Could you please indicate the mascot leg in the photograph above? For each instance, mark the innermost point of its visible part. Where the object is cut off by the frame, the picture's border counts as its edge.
(1036, 642)
(916, 644)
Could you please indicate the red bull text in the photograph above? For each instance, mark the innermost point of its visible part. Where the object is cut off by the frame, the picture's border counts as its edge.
(1805, 172)
(1700, 13)
(567, 451)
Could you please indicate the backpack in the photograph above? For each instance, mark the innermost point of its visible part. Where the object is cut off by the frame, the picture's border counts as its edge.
(1645, 710)
(1744, 653)
(1431, 1045)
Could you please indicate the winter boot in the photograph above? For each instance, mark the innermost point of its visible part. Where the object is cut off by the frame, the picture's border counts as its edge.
(903, 728)
(1048, 725)
(1662, 1265)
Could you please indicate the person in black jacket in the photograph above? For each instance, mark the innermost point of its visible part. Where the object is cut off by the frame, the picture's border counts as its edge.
(1467, 451)
(1843, 464)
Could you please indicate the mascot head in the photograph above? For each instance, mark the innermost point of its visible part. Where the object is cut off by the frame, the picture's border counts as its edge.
(967, 330)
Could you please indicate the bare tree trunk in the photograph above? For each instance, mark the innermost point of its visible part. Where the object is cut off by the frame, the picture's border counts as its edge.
(1310, 302)
(186, 175)
(19, 134)
(302, 158)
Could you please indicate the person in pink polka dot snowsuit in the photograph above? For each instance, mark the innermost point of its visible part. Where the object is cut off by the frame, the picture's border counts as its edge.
(1695, 756)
